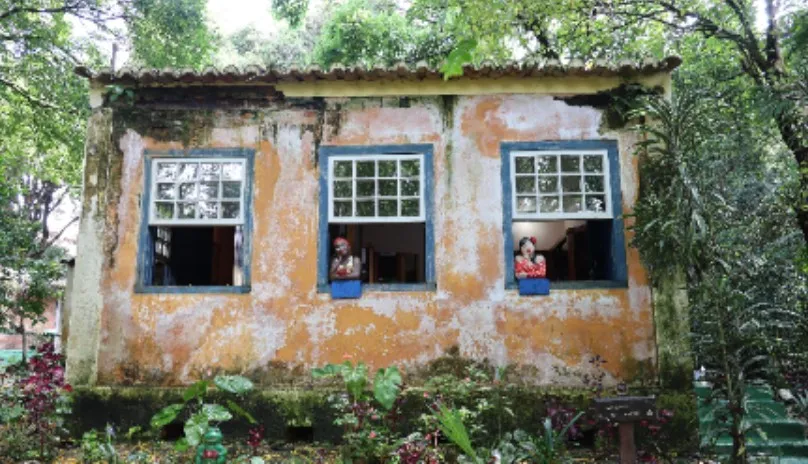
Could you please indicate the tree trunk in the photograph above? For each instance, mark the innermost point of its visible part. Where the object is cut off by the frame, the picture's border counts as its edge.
(788, 123)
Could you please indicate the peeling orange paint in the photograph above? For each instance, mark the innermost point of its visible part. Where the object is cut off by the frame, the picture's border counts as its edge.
(170, 339)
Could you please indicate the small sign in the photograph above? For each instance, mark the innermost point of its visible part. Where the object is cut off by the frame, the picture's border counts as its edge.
(626, 408)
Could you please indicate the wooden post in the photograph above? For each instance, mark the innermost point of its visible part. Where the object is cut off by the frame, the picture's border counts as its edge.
(628, 450)
(626, 411)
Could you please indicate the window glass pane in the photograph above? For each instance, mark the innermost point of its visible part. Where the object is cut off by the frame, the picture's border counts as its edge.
(570, 163)
(365, 168)
(209, 171)
(548, 184)
(410, 168)
(594, 183)
(549, 204)
(387, 169)
(547, 164)
(526, 184)
(197, 187)
(187, 191)
(596, 203)
(388, 188)
(365, 188)
(376, 184)
(187, 171)
(187, 211)
(208, 209)
(410, 188)
(343, 208)
(388, 207)
(343, 189)
(410, 208)
(343, 168)
(524, 165)
(230, 209)
(166, 171)
(366, 208)
(593, 163)
(166, 192)
(164, 210)
(232, 171)
(571, 183)
(573, 203)
(231, 189)
(526, 204)
(208, 190)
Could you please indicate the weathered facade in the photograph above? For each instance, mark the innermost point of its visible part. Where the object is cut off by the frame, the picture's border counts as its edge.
(281, 318)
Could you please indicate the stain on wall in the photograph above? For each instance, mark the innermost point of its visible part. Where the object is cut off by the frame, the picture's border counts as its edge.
(167, 339)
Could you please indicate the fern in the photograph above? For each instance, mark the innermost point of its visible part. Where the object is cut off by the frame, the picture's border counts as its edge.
(451, 425)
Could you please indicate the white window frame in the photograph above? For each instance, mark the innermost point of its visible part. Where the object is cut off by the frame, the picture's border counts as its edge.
(375, 219)
(607, 213)
(153, 200)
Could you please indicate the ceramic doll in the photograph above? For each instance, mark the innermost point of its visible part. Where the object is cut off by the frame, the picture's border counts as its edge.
(344, 266)
(528, 264)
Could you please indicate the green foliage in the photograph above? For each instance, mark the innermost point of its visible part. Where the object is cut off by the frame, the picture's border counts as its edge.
(172, 33)
(377, 33)
(291, 10)
(386, 386)
(457, 58)
(202, 413)
(367, 418)
(386, 383)
(98, 449)
(166, 415)
(235, 384)
(731, 234)
(451, 424)
(515, 447)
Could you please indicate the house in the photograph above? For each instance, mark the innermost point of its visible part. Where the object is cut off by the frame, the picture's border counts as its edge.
(211, 200)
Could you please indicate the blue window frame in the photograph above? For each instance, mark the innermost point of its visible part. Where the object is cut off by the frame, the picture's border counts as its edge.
(617, 269)
(328, 155)
(243, 160)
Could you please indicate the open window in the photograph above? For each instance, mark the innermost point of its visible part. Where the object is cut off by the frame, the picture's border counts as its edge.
(379, 202)
(566, 199)
(194, 231)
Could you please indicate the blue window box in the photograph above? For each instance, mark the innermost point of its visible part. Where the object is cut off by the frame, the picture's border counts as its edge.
(346, 289)
(534, 287)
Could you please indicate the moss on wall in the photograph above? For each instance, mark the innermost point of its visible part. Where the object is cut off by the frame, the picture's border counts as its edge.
(510, 407)
(672, 324)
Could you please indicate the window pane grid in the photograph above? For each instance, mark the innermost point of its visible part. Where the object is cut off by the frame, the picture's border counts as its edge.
(383, 188)
(197, 191)
(560, 184)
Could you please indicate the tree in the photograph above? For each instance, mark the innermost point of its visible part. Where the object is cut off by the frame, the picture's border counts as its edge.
(376, 33)
(171, 33)
(43, 110)
(730, 233)
(628, 28)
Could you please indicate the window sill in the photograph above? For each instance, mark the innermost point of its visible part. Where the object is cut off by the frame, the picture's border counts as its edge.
(425, 287)
(578, 285)
(210, 289)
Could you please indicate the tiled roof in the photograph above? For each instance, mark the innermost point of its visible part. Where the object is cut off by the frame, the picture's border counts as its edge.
(420, 71)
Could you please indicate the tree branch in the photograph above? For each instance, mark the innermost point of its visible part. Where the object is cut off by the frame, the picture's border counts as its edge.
(38, 253)
(19, 90)
(21, 9)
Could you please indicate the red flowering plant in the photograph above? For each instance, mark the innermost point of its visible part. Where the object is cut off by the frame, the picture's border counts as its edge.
(254, 438)
(418, 449)
(44, 395)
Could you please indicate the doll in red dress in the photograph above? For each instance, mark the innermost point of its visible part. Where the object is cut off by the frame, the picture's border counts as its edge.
(344, 266)
(528, 264)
